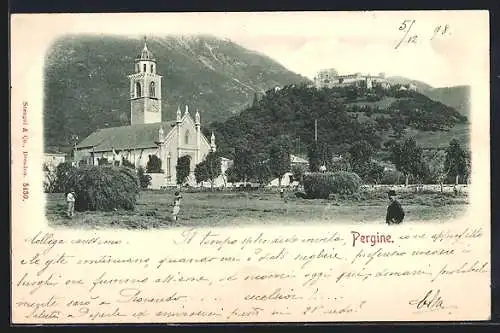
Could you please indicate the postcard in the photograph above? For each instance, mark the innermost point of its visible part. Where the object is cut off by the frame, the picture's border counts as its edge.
(250, 167)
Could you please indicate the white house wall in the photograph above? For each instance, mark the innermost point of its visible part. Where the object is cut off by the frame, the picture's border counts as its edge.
(175, 146)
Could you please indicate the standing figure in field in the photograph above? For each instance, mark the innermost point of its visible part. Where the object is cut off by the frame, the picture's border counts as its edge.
(177, 205)
(395, 213)
(70, 200)
(283, 195)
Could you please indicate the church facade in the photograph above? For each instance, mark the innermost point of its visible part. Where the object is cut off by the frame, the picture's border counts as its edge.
(148, 134)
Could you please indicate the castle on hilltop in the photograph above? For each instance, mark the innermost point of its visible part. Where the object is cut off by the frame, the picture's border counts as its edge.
(329, 78)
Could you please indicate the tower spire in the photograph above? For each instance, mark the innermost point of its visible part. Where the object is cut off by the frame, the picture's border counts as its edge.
(179, 115)
(146, 54)
(197, 117)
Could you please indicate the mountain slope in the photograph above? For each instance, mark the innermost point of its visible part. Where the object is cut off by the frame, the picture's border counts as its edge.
(456, 97)
(86, 84)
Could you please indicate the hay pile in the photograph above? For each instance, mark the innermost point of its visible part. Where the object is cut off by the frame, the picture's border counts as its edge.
(104, 188)
(319, 185)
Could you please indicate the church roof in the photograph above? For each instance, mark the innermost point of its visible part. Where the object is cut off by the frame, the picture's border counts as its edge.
(126, 137)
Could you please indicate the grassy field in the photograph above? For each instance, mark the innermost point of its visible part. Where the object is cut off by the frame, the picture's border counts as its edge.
(238, 208)
(442, 139)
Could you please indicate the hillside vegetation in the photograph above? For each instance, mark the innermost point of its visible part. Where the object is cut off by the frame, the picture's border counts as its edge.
(457, 97)
(344, 116)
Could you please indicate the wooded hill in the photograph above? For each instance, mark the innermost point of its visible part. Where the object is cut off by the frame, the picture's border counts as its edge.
(344, 116)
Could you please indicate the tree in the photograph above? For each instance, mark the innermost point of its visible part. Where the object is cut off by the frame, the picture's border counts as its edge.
(437, 169)
(279, 158)
(183, 168)
(375, 173)
(244, 164)
(200, 172)
(420, 171)
(298, 171)
(209, 169)
(456, 160)
(263, 173)
(49, 183)
(398, 126)
(314, 157)
(407, 157)
(468, 168)
(144, 179)
(231, 175)
(361, 153)
(325, 155)
(154, 164)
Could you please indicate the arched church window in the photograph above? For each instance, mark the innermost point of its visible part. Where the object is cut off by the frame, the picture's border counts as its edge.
(138, 68)
(152, 89)
(138, 91)
(144, 67)
(186, 137)
(152, 69)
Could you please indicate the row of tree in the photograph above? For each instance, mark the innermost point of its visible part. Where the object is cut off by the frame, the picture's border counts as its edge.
(410, 159)
(452, 164)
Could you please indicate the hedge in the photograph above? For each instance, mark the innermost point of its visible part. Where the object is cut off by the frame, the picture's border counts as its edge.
(319, 185)
(104, 187)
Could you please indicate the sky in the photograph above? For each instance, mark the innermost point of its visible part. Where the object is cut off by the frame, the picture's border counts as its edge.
(306, 42)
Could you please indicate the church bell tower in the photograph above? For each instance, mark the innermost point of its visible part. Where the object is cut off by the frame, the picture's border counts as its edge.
(145, 90)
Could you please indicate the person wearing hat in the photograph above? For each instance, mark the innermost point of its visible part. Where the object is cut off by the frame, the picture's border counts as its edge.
(395, 213)
(177, 205)
(70, 200)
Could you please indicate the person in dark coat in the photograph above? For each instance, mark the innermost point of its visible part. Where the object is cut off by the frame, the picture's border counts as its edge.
(395, 213)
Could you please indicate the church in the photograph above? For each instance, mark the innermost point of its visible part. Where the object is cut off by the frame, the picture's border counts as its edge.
(147, 133)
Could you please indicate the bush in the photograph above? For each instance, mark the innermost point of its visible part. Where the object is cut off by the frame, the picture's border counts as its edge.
(182, 168)
(320, 185)
(392, 177)
(103, 188)
(144, 179)
(154, 164)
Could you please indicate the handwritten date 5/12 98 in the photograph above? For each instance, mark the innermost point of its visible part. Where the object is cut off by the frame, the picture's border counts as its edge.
(413, 38)
(430, 301)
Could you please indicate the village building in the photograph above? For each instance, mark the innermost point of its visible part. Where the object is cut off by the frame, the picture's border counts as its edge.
(148, 134)
(287, 179)
(329, 78)
(52, 160)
